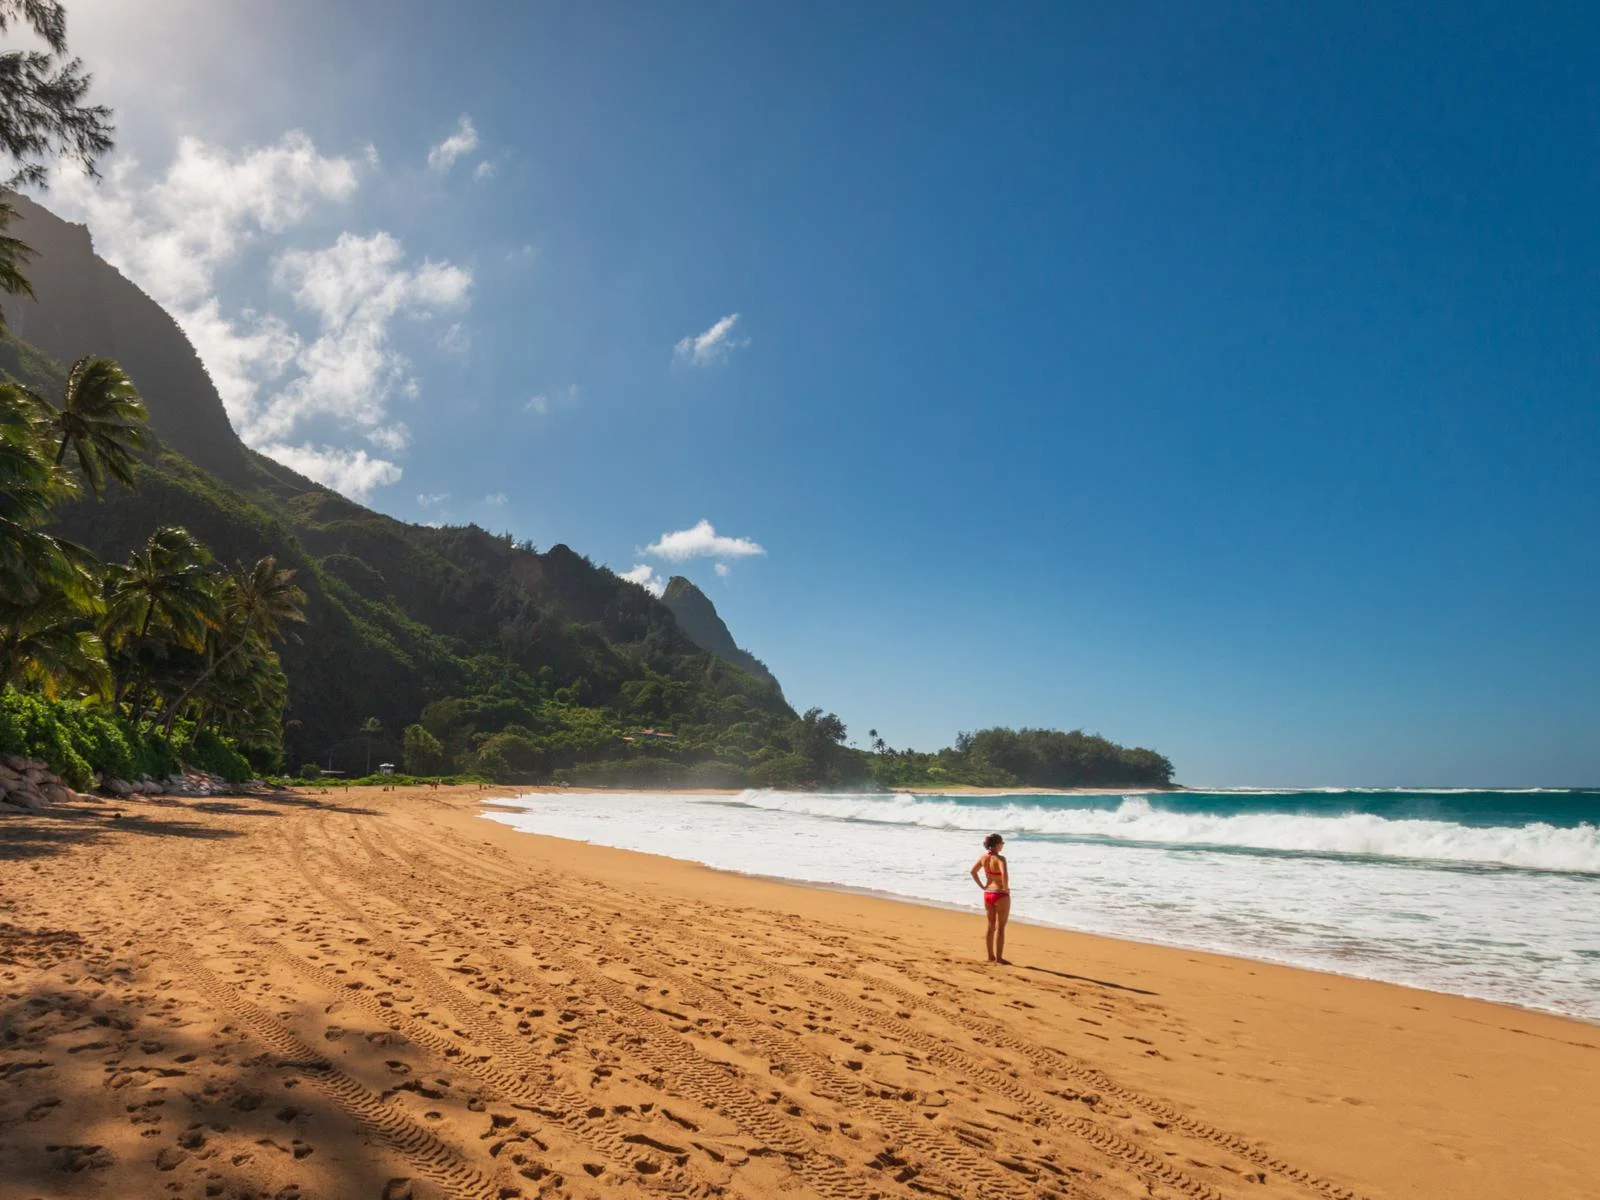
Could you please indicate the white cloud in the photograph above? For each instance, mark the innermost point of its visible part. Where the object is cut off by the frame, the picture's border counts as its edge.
(544, 404)
(484, 170)
(351, 370)
(463, 141)
(172, 236)
(700, 541)
(175, 235)
(455, 340)
(712, 346)
(350, 472)
(645, 576)
(432, 499)
(722, 569)
(522, 253)
(495, 500)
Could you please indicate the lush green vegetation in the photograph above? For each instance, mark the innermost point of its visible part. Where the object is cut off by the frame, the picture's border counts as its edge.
(135, 665)
(1000, 757)
(449, 650)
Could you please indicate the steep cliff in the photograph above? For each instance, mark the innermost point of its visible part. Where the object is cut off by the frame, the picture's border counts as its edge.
(85, 305)
(698, 618)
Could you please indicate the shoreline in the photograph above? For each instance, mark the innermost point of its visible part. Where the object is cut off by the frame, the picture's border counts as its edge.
(332, 992)
(1480, 980)
(547, 789)
(1155, 944)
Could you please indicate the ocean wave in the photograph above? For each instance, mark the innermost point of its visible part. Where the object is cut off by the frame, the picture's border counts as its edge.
(1534, 846)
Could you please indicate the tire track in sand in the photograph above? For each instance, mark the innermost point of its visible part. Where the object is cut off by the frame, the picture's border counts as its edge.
(575, 1114)
(1052, 1062)
(700, 1079)
(432, 1158)
(957, 1161)
(1068, 1067)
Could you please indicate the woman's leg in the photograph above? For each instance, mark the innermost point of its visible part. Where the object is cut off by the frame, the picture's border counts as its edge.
(988, 938)
(998, 916)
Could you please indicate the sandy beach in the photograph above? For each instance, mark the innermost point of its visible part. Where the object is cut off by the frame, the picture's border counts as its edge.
(378, 994)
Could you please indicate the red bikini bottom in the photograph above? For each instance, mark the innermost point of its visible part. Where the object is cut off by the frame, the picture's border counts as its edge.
(990, 899)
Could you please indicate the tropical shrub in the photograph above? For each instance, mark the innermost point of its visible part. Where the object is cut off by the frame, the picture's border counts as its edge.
(422, 753)
(78, 742)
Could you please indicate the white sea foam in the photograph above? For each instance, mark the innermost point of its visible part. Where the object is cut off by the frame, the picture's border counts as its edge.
(1535, 846)
(1359, 895)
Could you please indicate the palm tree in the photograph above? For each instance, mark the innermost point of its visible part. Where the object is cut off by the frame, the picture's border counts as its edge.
(14, 254)
(32, 563)
(49, 587)
(47, 645)
(372, 727)
(256, 603)
(101, 420)
(166, 592)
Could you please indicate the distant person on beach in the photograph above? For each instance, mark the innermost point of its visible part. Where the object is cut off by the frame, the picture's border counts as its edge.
(996, 885)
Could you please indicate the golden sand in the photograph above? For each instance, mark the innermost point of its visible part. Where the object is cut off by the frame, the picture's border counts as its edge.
(378, 995)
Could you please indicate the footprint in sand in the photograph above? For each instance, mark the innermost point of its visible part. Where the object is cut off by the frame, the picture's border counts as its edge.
(73, 1159)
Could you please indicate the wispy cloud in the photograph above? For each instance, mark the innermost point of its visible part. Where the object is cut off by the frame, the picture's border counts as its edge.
(463, 141)
(701, 540)
(722, 569)
(712, 346)
(495, 499)
(432, 499)
(484, 170)
(545, 403)
(645, 576)
(455, 340)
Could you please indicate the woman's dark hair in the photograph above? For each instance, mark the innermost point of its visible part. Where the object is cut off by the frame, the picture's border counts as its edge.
(993, 840)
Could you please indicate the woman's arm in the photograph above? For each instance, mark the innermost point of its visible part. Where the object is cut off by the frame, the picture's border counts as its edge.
(1005, 874)
(975, 867)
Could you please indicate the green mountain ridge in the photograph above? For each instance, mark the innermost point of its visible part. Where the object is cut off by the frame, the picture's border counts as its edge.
(399, 616)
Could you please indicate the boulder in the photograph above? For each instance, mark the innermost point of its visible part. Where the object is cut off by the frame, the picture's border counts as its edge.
(117, 787)
(57, 793)
(25, 796)
(14, 763)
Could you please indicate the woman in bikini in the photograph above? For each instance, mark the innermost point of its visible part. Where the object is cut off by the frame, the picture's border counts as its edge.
(996, 885)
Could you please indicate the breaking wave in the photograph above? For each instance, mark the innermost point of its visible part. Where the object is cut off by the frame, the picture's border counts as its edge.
(1536, 845)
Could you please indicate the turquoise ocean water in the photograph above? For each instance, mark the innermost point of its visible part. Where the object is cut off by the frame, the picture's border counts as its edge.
(1494, 894)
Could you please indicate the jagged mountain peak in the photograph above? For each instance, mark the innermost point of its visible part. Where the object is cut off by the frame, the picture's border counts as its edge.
(697, 616)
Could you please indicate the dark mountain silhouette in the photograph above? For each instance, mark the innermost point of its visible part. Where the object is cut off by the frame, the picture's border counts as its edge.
(697, 617)
(86, 306)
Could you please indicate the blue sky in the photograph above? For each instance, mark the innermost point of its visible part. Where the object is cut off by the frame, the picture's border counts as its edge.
(1217, 378)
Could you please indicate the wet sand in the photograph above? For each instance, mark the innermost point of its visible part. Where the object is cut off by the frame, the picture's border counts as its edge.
(378, 994)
